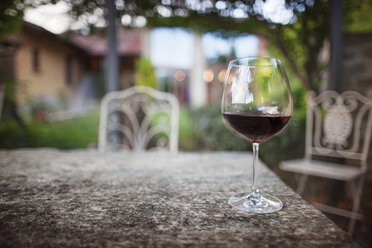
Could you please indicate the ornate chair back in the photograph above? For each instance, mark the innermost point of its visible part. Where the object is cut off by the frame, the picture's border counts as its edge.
(139, 118)
(339, 126)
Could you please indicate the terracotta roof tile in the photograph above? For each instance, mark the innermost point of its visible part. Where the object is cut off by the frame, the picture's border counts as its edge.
(129, 42)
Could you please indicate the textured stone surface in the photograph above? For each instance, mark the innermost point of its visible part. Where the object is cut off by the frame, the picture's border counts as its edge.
(51, 198)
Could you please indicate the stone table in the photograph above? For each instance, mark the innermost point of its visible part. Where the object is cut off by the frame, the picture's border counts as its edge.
(51, 198)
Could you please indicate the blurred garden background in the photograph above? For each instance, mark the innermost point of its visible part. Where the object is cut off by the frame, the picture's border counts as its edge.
(54, 65)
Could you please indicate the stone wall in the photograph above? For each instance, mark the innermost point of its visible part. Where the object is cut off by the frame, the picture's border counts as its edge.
(357, 70)
(357, 63)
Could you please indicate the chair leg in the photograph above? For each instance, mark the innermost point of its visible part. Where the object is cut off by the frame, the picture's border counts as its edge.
(301, 184)
(356, 205)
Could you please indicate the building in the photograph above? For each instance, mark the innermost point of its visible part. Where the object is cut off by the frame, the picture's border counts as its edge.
(129, 49)
(63, 67)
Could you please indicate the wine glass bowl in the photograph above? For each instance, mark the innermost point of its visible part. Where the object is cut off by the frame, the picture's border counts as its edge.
(256, 104)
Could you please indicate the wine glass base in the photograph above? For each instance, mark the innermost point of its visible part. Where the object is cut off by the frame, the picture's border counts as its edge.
(260, 204)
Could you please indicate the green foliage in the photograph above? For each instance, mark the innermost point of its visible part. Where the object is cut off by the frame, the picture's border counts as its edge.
(145, 73)
(301, 43)
(9, 108)
(187, 141)
(357, 16)
(212, 134)
(10, 89)
(200, 130)
(75, 133)
(11, 14)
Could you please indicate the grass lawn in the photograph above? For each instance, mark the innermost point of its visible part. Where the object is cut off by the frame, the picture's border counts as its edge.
(81, 132)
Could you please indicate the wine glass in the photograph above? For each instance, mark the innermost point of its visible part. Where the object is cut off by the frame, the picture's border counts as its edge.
(256, 104)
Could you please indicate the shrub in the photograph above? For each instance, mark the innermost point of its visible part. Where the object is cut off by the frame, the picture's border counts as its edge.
(145, 73)
(211, 132)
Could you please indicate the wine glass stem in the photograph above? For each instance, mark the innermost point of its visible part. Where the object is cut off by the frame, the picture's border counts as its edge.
(255, 191)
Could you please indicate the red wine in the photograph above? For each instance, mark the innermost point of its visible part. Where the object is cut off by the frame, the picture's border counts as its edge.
(256, 127)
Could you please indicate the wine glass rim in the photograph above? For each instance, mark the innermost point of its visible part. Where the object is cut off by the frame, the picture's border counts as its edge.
(273, 61)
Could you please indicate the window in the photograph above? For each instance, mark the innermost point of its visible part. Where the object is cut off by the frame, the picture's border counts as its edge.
(36, 60)
(68, 70)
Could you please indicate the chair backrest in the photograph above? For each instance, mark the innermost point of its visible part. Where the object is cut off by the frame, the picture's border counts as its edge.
(339, 125)
(139, 118)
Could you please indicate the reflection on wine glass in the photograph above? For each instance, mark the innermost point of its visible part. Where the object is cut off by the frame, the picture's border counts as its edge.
(256, 104)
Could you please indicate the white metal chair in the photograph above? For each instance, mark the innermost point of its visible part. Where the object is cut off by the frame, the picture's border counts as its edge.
(139, 118)
(338, 126)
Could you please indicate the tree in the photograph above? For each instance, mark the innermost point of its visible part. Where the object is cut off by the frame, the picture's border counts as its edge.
(299, 39)
(11, 14)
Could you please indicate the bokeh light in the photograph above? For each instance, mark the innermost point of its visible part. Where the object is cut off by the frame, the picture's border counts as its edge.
(179, 76)
(208, 75)
(221, 75)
